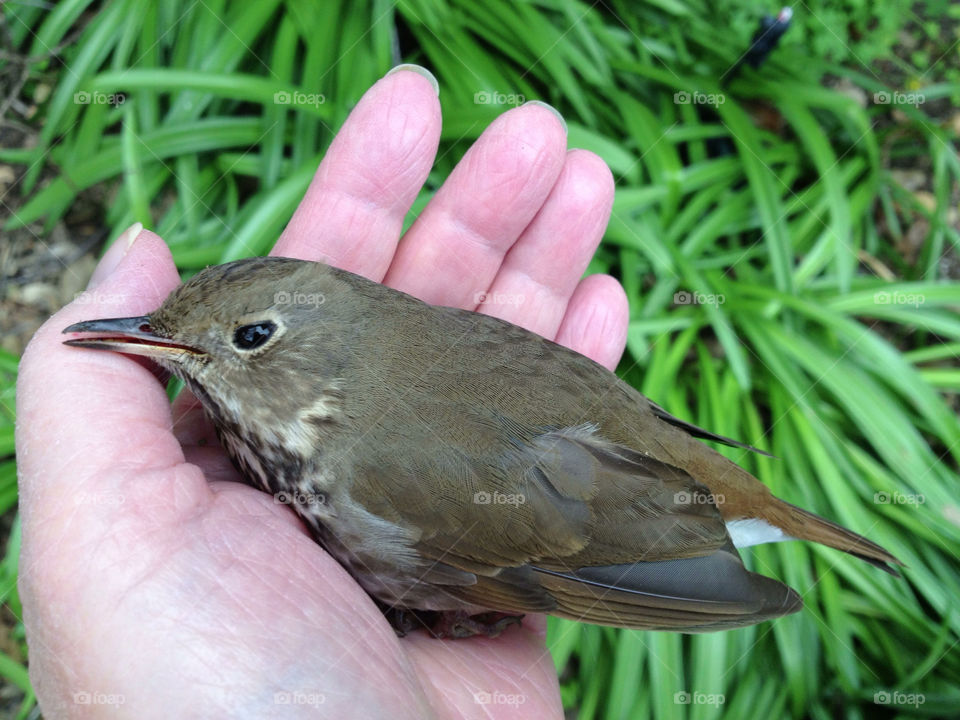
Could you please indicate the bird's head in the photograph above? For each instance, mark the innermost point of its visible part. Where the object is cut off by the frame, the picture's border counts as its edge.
(260, 340)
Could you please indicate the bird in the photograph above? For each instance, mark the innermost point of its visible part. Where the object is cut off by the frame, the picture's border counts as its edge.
(464, 470)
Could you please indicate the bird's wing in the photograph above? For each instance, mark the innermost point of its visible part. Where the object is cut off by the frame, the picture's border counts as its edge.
(699, 432)
(568, 523)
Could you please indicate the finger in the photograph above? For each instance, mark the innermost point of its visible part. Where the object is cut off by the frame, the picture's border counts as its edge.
(542, 270)
(456, 246)
(191, 426)
(112, 257)
(198, 438)
(88, 419)
(596, 321)
(353, 211)
(213, 461)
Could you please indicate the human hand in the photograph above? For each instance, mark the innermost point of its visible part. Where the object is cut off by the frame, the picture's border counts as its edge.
(154, 585)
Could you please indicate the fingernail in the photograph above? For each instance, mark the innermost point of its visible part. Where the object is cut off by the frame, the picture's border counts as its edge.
(551, 108)
(420, 70)
(112, 257)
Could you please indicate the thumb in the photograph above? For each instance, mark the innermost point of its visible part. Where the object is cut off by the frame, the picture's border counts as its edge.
(89, 419)
(111, 259)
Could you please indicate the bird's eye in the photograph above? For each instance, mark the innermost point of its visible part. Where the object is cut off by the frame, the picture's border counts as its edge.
(249, 337)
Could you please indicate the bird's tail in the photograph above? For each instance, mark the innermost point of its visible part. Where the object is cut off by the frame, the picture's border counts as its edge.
(804, 525)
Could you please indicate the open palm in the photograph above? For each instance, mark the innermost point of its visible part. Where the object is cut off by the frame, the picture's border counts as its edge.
(154, 585)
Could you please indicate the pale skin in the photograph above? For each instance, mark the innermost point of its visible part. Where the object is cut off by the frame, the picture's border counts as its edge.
(162, 588)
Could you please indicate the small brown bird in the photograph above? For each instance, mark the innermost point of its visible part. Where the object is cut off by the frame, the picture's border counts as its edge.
(463, 470)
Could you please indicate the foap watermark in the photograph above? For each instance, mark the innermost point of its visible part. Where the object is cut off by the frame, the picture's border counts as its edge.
(682, 697)
(285, 497)
(899, 297)
(498, 298)
(104, 499)
(488, 97)
(898, 498)
(96, 297)
(298, 298)
(895, 97)
(499, 698)
(896, 697)
(86, 697)
(685, 297)
(682, 97)
(298, 99)
(498, 498)
(299, 697)
(698, 498)
(85, 97)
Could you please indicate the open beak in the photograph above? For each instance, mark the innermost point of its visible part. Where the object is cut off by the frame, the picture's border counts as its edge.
(132, 335)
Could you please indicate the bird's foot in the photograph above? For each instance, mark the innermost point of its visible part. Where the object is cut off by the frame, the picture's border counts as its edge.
(450, 623)
(460, 624)
(405, 621)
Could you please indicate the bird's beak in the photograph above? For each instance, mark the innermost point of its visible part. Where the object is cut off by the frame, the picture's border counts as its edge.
(131, 335)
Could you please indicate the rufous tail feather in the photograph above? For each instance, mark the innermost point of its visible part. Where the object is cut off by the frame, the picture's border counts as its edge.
(804, 525)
